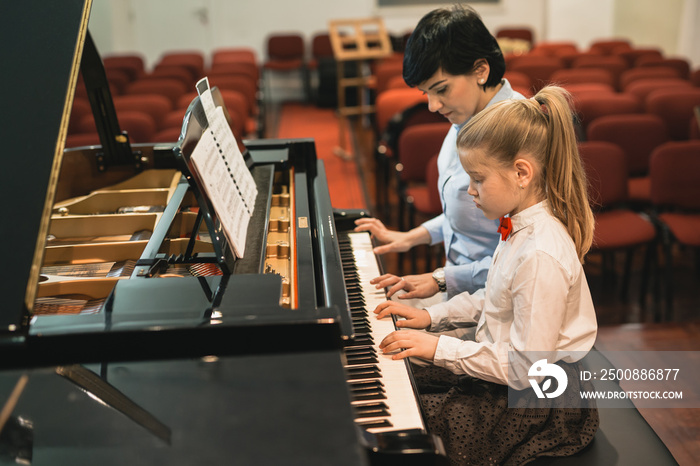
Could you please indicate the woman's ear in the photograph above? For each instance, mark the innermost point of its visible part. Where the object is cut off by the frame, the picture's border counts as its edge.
(524, 172)
(482, 70)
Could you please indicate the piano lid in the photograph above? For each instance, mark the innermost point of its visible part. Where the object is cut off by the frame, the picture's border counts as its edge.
(41, 54)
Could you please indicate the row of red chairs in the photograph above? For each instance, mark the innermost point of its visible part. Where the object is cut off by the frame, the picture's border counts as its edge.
(151, 105)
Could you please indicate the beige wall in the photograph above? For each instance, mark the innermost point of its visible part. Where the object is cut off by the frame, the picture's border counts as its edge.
(649, 22)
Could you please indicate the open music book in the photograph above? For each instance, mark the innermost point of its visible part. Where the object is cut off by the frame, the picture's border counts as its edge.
(226, 180)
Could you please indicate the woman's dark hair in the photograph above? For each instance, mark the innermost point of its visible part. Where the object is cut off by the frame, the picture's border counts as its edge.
(451, 39)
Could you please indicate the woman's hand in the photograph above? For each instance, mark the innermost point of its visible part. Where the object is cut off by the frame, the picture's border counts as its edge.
(414, 318)
(410, 343)
(416, 286)
(392, 241)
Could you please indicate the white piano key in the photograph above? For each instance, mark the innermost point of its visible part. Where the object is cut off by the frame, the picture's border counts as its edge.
(401, 399)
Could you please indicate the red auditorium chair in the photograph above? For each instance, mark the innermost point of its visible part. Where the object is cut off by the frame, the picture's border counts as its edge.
(138, 125)
(617, 228)
(192, 60)
(416, 146)
(591, 106)
(631, 56)
(674, 106)
(583, 75)
(646, 72)
(424, 200)
(554, 48)
(170, 88)
(610, 46)
(80, 108)
(239, 83)
(247, 69)
(643, 87)
(538, 68)
(417, 143)
(675, 193)
(180, 73)
(637, 135)
(83, 139)
(132, 64)
(519, 81)
(286, 53)
(384, 71)
(579, 89)
(234, 55)
(612, 63)
(155, 105)
(321, 49)
(679, 64)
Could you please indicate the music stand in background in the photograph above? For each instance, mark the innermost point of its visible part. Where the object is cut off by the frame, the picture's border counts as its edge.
(359, 41)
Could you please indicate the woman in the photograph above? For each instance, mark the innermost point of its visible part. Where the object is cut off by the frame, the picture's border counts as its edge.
(457, 63)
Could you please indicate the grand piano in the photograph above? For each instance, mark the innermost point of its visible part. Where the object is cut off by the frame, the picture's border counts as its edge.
(130, 331)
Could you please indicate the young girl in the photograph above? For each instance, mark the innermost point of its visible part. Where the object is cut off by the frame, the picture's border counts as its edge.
(524, 166)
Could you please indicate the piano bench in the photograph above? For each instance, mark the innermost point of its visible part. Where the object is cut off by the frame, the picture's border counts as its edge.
(624, 437)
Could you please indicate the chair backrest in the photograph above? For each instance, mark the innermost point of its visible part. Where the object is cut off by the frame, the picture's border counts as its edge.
(285, 47)
(321, 46)
(610, 46)
(431, 180)
(583, 75)
(392, 102)
(674, 106)
(133, 64)
(589, 106)
(167, 87)
(675, 175)
(417, 144)
(157, 106)
(679, 64)
(384, 71)
(192, 60)
(633, 74)
(139, 126)
(554, 48)
(615, 64)
(538, 68)
(631, 56)
(636, 134)
(606, 170)
(643, 87)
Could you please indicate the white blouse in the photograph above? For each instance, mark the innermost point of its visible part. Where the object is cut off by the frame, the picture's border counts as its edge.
(536, 299)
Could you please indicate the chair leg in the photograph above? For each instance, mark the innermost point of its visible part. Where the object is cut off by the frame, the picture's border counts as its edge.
(411, 222)
(626, 275)
(668, 253)
(649, 259)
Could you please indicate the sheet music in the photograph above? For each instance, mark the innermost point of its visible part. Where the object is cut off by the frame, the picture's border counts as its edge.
(220, 165)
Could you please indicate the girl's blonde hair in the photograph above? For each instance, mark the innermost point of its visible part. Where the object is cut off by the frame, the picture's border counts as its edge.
(542, 127)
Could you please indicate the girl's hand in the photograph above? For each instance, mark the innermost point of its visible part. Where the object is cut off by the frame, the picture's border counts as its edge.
(414, 318)
(410, 343)
(416, 286)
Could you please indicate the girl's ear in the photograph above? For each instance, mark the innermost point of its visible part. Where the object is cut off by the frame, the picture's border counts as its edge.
(524, 172)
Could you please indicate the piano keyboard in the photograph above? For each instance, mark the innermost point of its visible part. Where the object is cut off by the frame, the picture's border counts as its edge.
(381, 388)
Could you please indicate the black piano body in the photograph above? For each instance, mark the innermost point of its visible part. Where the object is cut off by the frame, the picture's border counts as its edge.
(169, 368)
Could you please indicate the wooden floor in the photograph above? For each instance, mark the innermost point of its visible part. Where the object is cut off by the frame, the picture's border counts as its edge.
(625, 323)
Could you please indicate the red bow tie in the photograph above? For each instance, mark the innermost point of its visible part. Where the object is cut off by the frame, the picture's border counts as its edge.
(505, 227)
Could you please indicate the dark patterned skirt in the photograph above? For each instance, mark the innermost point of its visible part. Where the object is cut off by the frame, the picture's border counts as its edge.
(473, 419)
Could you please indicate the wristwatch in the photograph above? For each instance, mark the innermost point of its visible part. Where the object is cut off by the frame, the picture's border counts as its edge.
(439, 277)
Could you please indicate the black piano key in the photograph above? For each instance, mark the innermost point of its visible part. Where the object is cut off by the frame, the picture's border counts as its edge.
(360, 349)
(363, 372)
(360, 384)
(377, 409)
(368, 395)
(379, 423)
